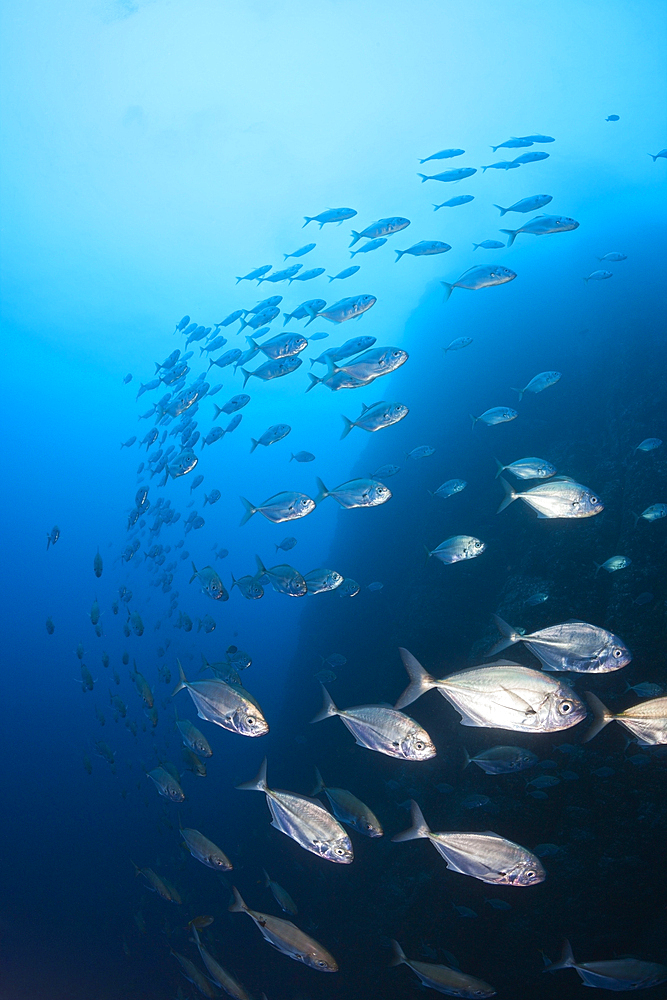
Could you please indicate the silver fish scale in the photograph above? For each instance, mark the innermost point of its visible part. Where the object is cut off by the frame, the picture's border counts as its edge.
(306, 821)
(382, 729)
(219, 702)
(557, 498)
(578, 647)
(488, 857)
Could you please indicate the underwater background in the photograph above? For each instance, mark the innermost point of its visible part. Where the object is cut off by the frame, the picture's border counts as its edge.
(152, 153)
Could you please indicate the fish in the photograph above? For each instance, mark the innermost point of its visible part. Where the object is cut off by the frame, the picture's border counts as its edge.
(488, 245)
(653, 513)
(559, 497)
(313, 272)
(275, 276)
(158, 885)
(613, 564)
(273, 369)
(385, 471)
(456, 174)
(458, 344)
(484, 276)
(97, 564)
(495, 415)
(525, 205)
(513, 143)
(284, 345)
(573, 646)
(287, 544)
(539, 383)
(224, 703)
(662, 154)
(615, 118)
(301, 251)
(461, 199)
(444, 154)
(386, 730)
(336, 215)
(375, 587)
(345, 273)
(350, 810)
(50, 627)
(484, 856)
(616, 974)
(528, 468)
(249, 587)
(532, 157)
(368, 247)
(501, 165)
(647, 720)
(192, 738)
(421, 451)
(284, 579)
(449, 488)
(281, 896)
(384, 227)
(346, 309)
(646, 689)
(346, 350)
(598, 276)
(255, 274)
(287, 938)
(302, 456)
(321, 581)
(425, 248)
(503, 760)
(211, 584)
(349, 587)
(212, 497)
(232, 405)
(614, 256)
(309, 308)
(457, 548)
(166, 784)
(305, 820)
(280, 507)
(542, 225)
(502, 695)
(52, 536)
(375, 417)
(355, 493)
(204, 850)
(648, 444)
(194, 976)
(218, 975)
(274, 434)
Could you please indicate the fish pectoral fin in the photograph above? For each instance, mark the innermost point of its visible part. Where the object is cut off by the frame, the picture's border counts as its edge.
(521, 705)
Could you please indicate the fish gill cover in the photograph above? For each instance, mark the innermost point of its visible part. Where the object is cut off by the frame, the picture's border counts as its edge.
(330, 381)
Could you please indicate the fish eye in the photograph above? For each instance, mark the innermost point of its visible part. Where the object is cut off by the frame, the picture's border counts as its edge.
(419, 745)
(530, 874)
(340, 852)
(594, 499)
(617, 652)
(250, 720)
(565, 707)
(321, 963)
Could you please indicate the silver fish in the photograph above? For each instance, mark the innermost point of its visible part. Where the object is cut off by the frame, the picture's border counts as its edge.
(349, 809)
(383, 729)
(194, 976)
(375, 417)
(220, 976)
(539, 383)
(370, 365)
(653, 513)
(458, 344)
(192, 738)
(283, 275)
(503, 760)
(484, 856)
(348, 349)
(458, 548)
(648, 444)
(530, 157)
(309, 308)
(346, 309)
(616, 974)
(345, 273)
(304, 820)
(355, 493)
(528, 468)
(484, 276)
(273, 369)
(281, 896)
(542, 225)
(166, 784)
(613, 564)
(337, 215)
(573, 646)
(646, 720)
(502, 695)
(284, 579)
(598, 276)
(442, 978)
(320, 581)
(443, 154)
(301, 251)
(425, 248)
(287, 938)
(204, 850)
(251, 589)
(495, 415)
(449, 488)
(284, 345)
(457, 174)
(226, 704)
(371, 245)
(461, 199)
(384, 227)
(560, 497)
(274, 434)
(280, 507)
(527, 204)
(211, 584)
(255, 274)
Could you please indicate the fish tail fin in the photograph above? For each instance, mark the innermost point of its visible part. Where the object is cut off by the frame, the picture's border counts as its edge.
(512, 235)
(267, 880)
(467, 758)
(423, 177)
(238, 906)
(330, 277)
(494, 148)
(502, 210)
(399, 254)
(253, 445)
(654, 158)
(291, 455)
(249, 511)
(328, 708)
(348, 425)
(314, 380)
(448, 286)
(476, 246)
(585, 281)
(510, 495)
(420, 680)
(356, 236)
(598, 567)
(636, 517)
(484, 169)
(234, 584)
(428, 554)
(566, 960)
(247, 375)
(501, 467)
(323, 492)
(510, 636)
(261, 568)
(397, 954)
(520, 391)
(182, 683)
(319, 785)
(419, 828)
(258, 784)
(194, 573)
(308, 219)
(601, 716)
(474, 420)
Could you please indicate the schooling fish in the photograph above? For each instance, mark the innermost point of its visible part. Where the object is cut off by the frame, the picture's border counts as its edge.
(484, 276)
(337, 215)
(280, 507)
(226, 704)
(219, 976)
(573, 646)
(616, 974)
(527, 204)
(542, 225)
(355, 493)
(496, 415)
(647, 720)
(560, 497)
(374, 418)
(528, 468)
(442, 978)
(349, 809)
(457, 548)
(255, 274)
(503, 760)
(539, 383)
(204, 850)
(426, 248)
(461, 199)
(457, 174)
(281, 896)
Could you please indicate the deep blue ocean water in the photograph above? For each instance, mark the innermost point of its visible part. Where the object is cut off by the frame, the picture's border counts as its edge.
(152, 153)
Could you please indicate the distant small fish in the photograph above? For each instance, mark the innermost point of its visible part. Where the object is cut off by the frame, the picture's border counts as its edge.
(325, 676)
(426, 248)
(614, 118)
(547, 850)
(513, 143)
(457, 174)
(271, 436)
(661, 155)
(598, 276)
(530, 157)
(302, 456)
(346, 273)
(488, 245)
(644, 598)
(615, 257)
(375, 586)
(501, 165)
(422, 451)
(257, 273)
(653, 513)
(444, 154)
(542, 225)
(349, 588)
(464, 911)
(539, 598)
(528, 468)
(457, 549)
(498, 904)
(646, 689)
(368, 247)
(531, 204)
(458, 344)
(385, 471)
(495, 415)
(449, 488)
(539, 383)
(484, 276)
(648, 444)
(473, 801)
(286, 544)
(301, 251)
(332, 215)
(613, 564)
(462, 199)
(384, 227)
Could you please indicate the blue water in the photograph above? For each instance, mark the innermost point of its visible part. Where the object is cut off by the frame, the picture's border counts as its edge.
(153, 151)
